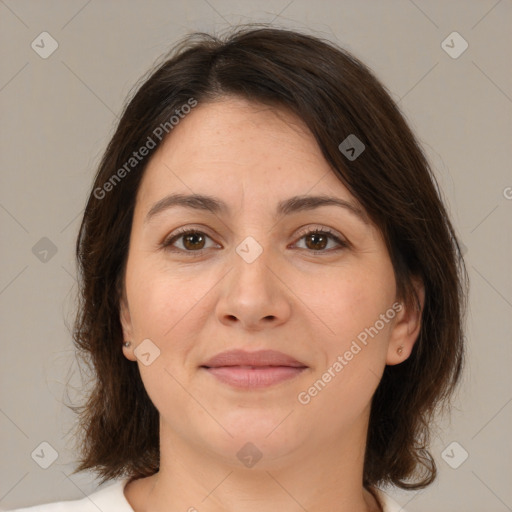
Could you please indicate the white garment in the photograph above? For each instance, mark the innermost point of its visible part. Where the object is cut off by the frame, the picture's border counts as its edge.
(111, 499)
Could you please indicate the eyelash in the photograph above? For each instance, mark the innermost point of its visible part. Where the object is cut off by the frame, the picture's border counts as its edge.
(167, 244)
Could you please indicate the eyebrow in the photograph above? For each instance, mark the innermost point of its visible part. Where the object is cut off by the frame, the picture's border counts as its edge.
(286, 207)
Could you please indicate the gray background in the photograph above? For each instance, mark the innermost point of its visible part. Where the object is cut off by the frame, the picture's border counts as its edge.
(58, 114)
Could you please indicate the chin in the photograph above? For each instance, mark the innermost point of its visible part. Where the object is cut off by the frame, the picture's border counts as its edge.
(257, 435)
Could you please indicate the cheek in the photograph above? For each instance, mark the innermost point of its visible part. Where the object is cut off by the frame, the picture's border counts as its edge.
(159, 297)
(162, 310)
(356, 345)
(352, 303)
(354, 352)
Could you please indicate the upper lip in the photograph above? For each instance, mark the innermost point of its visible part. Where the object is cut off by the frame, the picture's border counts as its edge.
(258, 358)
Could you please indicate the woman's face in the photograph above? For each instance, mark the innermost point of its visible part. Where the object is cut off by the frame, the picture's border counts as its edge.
(251, 278)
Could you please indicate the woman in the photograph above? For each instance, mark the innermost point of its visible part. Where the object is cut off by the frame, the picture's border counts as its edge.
(272, 291)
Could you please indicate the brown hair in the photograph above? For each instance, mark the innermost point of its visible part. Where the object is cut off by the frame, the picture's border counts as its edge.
(335, 95)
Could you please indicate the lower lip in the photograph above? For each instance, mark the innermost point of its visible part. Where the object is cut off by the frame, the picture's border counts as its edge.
(243, 377)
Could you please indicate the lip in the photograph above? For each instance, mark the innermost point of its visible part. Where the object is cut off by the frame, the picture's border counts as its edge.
(258, 358)
(242, 369)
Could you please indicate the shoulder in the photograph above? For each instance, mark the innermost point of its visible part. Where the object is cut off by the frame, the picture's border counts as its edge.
(388, 504)
(110, 498)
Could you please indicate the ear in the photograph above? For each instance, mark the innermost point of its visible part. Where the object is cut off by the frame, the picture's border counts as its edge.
(406, 327)
(126, 323)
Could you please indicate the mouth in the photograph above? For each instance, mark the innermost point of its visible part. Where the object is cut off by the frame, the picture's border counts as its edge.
(251, 370)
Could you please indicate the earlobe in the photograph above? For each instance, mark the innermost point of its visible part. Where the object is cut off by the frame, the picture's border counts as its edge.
(125, 319)
(407, 326)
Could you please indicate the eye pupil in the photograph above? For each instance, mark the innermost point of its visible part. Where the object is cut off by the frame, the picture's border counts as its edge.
(315, 237)
(194, 241)
(190, 238)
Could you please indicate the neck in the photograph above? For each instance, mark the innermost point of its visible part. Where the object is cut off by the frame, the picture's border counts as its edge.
(324, 477)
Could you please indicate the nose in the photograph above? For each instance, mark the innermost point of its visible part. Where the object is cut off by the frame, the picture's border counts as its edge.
(253, 293)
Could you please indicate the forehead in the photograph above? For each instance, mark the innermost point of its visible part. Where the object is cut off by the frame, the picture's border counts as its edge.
(233, 148)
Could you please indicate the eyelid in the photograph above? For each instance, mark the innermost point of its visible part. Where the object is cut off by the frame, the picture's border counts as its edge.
(332, 234)
(178, 233)
(323, 229)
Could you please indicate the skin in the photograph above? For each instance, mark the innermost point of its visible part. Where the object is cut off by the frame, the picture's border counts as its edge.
(310, 304)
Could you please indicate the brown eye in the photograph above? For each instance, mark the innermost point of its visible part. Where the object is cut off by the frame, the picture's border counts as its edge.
(192, 241)
(317, 240)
